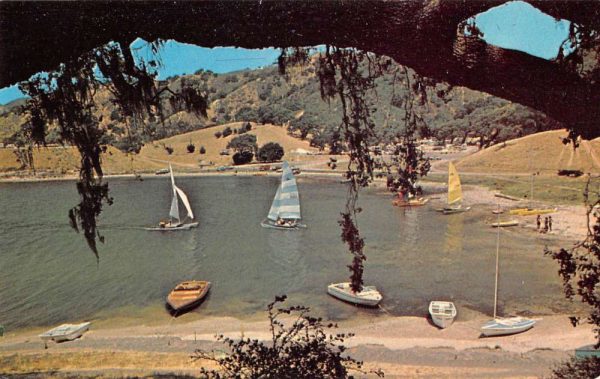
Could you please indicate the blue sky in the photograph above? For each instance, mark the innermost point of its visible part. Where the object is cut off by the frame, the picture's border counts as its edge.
(514, 25)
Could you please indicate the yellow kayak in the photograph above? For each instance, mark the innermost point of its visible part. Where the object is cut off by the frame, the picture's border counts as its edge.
(530, 212)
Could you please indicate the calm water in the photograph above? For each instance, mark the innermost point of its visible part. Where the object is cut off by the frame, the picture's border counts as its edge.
(48, 275)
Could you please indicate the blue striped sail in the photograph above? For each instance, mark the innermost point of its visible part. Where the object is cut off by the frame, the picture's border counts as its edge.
(286, 204)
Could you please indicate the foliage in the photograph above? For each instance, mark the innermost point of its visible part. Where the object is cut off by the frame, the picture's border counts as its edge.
(244, 142)
(577, 368)
(218, 134)
(202, 150)
(227, 132)
(580, 264)
(242, 157)
(299, 348)
(169, 150)
(191, 147)
(66, 97)
(270, 152)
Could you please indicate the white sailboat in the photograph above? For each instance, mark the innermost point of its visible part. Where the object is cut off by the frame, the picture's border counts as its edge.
(285, 209)
(175, 222)
(454, 193)
(501, 326)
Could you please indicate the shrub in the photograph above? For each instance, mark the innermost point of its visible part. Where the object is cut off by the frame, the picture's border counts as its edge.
(270, 152)
(576, 368)
(218, 134)
(202, 150)
(191, 147)
(245, 142)
(169, 150)
(227, 131)
(242, 157)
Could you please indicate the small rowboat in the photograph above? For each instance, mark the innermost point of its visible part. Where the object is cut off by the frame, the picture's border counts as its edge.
(65, 332)
(504, 224)
(506, 326)
(411, 202)
(187, 295)
(369, 296)
(442, 313)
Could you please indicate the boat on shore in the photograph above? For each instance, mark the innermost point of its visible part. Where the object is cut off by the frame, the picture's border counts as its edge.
(442, 313)
(414, 202)
(284, 213)
(503, 326)
(175, 222)
(187, 295)
(504, 224)
(455, 197)
(65, 332)
(369, 295)
(531, 212)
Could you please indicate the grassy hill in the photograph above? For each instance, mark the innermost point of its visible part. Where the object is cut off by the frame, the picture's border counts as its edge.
(542, 152)
(153, 156)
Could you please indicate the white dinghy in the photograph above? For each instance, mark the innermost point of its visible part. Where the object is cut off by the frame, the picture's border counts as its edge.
(369, 296)
(285, 209)
(442, 313)
(65, 332)
(175, 222)
(504, 326)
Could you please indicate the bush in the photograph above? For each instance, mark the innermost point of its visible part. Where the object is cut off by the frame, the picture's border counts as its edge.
(227, 131)
(270, 152)
(218, 134)
(245, 142)
(202, 150)
(576, 368)
(248, 127)
(169, 150)
(242, 157)
(191, 147)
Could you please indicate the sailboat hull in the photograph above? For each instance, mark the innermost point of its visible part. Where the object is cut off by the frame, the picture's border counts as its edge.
(368, 297)
(449, 211)
(174, 228)
(266, 223)
(508, 326)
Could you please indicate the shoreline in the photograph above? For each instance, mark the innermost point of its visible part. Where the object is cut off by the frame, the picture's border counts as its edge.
(399, 345)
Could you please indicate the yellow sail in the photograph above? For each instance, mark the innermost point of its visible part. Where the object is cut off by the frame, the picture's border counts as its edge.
(454, 188)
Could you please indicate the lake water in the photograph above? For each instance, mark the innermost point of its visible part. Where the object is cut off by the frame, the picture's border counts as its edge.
(48, 275)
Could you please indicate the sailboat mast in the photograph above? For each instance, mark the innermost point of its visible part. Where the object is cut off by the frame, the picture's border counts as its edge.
(497, 254)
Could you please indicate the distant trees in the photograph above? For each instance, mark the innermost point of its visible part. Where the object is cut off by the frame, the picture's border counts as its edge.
(270, 152)
(244, 142)
(191, 147)
(242, 157)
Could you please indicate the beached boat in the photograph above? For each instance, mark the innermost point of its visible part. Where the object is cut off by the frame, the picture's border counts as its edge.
(531, 211)
(187, 295)
(415, 202)
(502, 326)
(175, 222)
(454, 201)
(504, 224)
(442, 313)
(368, 296)
(284, 213)
(65, 332)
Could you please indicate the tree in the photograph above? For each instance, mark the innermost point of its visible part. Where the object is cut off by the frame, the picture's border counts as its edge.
(227, 132)
(270, 152)
(191, 147)
(244, 142)
(202, 150)
(169, 150)
(302, 349)
(242, 157)
(218, 134)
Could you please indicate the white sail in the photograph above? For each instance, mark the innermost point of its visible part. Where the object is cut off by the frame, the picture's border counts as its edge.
(174, 212)
(286, 204)
(185, 202)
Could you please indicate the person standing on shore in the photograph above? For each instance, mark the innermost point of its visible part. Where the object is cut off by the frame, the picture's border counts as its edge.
(545, 224)
(550, 223)
(538, 221)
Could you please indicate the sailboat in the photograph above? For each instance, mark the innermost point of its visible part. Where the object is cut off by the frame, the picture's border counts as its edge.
(454, 193)
(504, 326)
(285, 209)
(175, 222)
